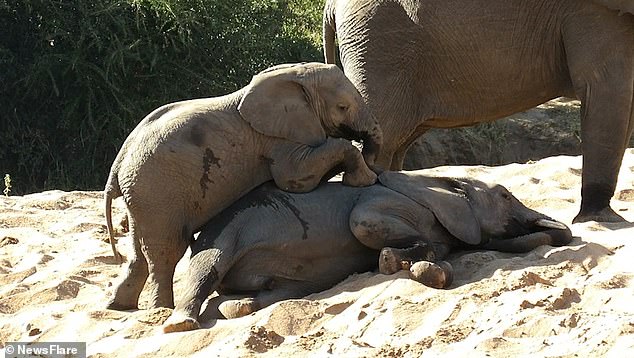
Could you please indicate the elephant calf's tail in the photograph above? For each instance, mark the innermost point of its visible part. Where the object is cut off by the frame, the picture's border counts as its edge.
(328, 32)
(110, 192)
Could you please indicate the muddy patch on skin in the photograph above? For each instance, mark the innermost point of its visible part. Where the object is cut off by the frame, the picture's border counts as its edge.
(209, 159)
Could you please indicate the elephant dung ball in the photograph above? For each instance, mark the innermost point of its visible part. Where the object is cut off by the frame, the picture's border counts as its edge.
(436, 275)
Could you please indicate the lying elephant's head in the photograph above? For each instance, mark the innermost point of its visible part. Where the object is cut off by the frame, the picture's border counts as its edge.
(481, 214)
(305, 103)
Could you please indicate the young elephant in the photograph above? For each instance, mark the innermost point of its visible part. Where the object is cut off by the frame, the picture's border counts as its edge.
(279, 245)
(187, 161)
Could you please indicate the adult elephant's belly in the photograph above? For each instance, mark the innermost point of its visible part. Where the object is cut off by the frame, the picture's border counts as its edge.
(457, 64)
(310, 268)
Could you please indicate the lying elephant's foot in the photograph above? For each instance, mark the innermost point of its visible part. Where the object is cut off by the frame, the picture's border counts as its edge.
(603, 215)
(436, 275)
(238, 308)
(179, 322)
(392, 260)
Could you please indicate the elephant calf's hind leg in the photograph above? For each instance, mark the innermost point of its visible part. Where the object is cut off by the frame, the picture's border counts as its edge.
(162, 262)
(126, 293)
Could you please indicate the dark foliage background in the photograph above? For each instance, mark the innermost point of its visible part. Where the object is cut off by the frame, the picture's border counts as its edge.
(76, 76)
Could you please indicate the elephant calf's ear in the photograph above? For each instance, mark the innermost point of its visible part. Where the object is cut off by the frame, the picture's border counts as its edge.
(443, 197)
(275, 105)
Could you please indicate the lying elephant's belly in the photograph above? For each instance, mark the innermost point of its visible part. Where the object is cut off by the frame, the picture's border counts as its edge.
(267, 269)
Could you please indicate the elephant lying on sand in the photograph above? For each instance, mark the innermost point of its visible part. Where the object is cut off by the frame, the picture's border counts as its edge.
(441, 64)
(278, 245)
(187, 161)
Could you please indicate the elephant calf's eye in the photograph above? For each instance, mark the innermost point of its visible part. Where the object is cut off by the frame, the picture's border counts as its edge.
(342, 107)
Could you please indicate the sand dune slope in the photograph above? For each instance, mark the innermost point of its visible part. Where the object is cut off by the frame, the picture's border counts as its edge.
(56, 273)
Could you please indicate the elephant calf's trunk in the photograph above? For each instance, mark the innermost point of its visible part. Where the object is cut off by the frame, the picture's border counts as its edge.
(372, 142)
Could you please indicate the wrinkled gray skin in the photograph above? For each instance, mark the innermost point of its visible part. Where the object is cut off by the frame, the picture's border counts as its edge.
(275, 245)
(425, 64)
(187, 161)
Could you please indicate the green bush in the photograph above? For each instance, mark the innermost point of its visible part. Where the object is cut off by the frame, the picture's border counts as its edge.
(77, 75)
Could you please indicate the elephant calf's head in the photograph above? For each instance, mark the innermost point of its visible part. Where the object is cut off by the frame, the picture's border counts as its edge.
(305, 103)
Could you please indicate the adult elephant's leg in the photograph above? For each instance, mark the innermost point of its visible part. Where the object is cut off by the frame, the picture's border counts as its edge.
(602, 70)
(398, 159)
(605, 131)
(399, 155)
(126, 293)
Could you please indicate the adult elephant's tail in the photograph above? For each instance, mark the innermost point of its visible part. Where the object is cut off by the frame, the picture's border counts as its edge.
(329, 31)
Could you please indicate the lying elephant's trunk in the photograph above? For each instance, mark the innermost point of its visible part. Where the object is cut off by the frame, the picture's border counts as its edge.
(557, 234)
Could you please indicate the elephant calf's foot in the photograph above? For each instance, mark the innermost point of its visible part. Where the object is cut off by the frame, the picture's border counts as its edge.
(436, 275)
(159, 299)
(603, 215)
(118, 306)
(238, 308)
(179, 322)
(361, 177)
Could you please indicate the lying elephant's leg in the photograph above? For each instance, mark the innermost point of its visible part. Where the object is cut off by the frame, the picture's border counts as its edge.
(432, 274)
(212, 310)
(287, 290)
(377, 230)
(390, 221)
(126, 294)
(205, 274)
(236, 308)
(392, 260)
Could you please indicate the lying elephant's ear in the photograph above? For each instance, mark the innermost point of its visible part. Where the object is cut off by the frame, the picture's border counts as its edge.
(275, 104)
(443, 196)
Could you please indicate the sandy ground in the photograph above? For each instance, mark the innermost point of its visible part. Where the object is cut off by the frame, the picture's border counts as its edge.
(56, 273)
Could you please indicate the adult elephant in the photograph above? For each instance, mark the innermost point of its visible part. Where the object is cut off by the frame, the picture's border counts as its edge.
(187, 161)
(439, 64)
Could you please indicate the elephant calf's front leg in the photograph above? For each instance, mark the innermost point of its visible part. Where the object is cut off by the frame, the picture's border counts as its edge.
(300, 168)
